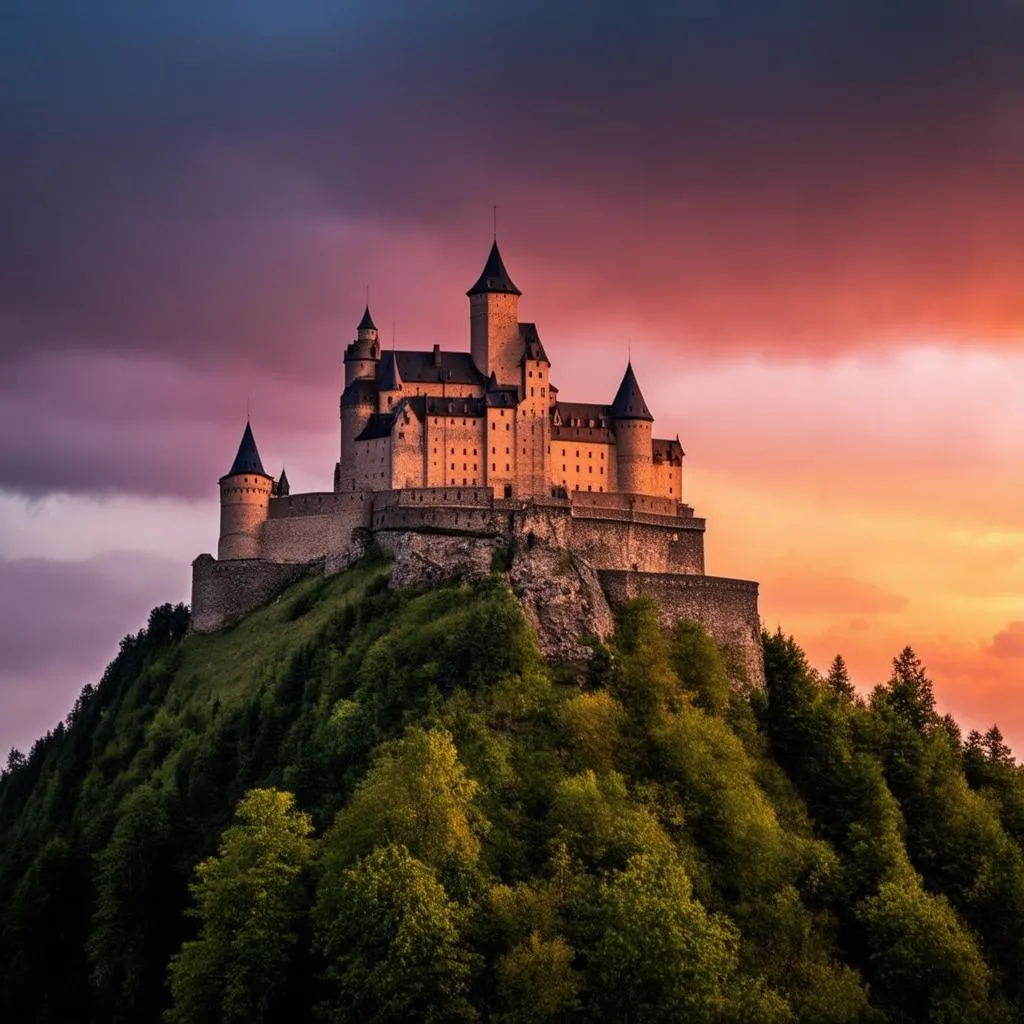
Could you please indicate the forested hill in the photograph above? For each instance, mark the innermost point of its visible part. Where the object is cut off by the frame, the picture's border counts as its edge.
(362, 804)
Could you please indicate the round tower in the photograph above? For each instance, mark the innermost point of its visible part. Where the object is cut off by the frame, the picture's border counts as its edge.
(633, 424)
(244, 502)
(362, 354)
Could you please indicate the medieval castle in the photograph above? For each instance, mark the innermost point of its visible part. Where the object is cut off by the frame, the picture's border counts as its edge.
(447, 456)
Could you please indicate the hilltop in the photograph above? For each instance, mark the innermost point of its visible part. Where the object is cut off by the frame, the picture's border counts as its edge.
(379, 803)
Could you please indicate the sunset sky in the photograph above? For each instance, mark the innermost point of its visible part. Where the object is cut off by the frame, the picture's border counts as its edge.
(806, 220)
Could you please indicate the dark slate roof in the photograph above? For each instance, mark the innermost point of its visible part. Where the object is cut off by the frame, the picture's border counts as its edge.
(248, 458)
(503, 396)
(629, 403)
(367, 324)
(452, 367)
(664, 448)
(389, 377)
(455, 406)
(532, 347)
(569, 412)
(378, 425)
(363, 389)
(283, 488)
(495, 277)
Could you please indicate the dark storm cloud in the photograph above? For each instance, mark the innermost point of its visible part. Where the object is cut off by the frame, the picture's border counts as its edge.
(213, 185)
(59, 626)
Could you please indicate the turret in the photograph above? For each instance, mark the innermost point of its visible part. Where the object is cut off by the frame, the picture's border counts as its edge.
(494, 322)
(362, 354)
(244, 502)
(632, 422)
(389, 381)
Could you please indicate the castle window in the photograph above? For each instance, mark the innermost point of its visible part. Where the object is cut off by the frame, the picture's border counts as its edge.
(590, 455)
(474, 469)
(531, 373)
(563, 453)
(494, 451)
(543, 392)
(463, 467)
(494, 467)
(453, 465)
(453, 451)
(577, 453)
(463, 484)
(401, 435)
(506, 451)
(463, 451)
(474, 451)
(506, 467)
(531, 389)
(508, 426)
(589, 488)
(590, 469)
(577, 469)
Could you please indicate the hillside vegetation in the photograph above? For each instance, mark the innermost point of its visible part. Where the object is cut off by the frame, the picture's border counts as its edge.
(366, 804)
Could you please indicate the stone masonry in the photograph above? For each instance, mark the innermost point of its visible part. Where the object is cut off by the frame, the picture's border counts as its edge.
(449, 457)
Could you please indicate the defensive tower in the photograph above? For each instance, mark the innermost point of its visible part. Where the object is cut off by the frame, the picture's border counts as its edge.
(245, 492)
(632, 422)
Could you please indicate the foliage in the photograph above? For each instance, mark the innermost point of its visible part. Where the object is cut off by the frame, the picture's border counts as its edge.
(363, 802)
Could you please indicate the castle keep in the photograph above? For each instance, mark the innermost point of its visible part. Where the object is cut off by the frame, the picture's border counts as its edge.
(447, 456)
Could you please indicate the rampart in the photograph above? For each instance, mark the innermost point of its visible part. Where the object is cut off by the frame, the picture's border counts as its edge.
(225, 591)
(726, 608)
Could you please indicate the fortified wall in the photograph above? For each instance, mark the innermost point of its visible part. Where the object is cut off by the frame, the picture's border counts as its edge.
(573, 559)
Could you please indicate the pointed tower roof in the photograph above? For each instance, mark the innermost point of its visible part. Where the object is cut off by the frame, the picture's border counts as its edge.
(389, 378)
(248, 458)
(495, 277)
(367, 324)
(629, 403)
(283, 487)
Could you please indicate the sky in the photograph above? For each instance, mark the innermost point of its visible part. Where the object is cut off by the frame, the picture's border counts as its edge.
(805, 220)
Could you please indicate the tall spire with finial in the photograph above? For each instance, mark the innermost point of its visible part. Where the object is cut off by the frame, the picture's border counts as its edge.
(248, 458)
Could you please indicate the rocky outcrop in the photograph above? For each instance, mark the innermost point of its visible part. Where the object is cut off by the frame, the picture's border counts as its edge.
(562, 597)
(426, 559)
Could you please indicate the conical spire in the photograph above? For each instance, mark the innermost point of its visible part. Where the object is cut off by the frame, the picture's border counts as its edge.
(367, 324)
(389, 379)
(629, 403)
(283, 487)
(248, 458)
(495, 277)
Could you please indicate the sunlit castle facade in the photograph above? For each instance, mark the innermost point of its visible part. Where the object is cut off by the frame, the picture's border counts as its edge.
(492, 417)
(449, 458)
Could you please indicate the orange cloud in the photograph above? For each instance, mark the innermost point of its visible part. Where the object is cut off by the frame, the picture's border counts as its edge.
(1009, 642)
(815, 593)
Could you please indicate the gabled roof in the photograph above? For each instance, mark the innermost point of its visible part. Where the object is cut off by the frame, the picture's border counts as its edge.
(248, 458)
(629, 403)
(367, 324)
(494, 277)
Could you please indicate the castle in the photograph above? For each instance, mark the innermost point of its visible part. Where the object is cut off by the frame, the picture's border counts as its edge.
(447, 456)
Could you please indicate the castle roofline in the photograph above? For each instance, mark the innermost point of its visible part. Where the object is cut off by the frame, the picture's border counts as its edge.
(629, 403)
(248, 458)
(367, 324)
(494, 277)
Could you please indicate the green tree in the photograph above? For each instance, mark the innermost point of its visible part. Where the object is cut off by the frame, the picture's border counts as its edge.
(926, 965)
(137, 908)
(417, 795)
(700, 666)
(537, 982)
(391, 937)
(250, 899)
(591, 724)
(662, 957)
(838, 678)
(909, 691)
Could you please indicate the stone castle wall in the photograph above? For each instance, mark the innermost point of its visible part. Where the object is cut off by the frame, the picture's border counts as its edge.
(223, 592)
(636, 545)
(726, 608)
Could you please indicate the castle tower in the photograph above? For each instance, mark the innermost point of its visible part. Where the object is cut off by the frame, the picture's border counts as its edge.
(244, 502)
(358, 400)
(632, 422)
(362, 354)
(494, 322)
